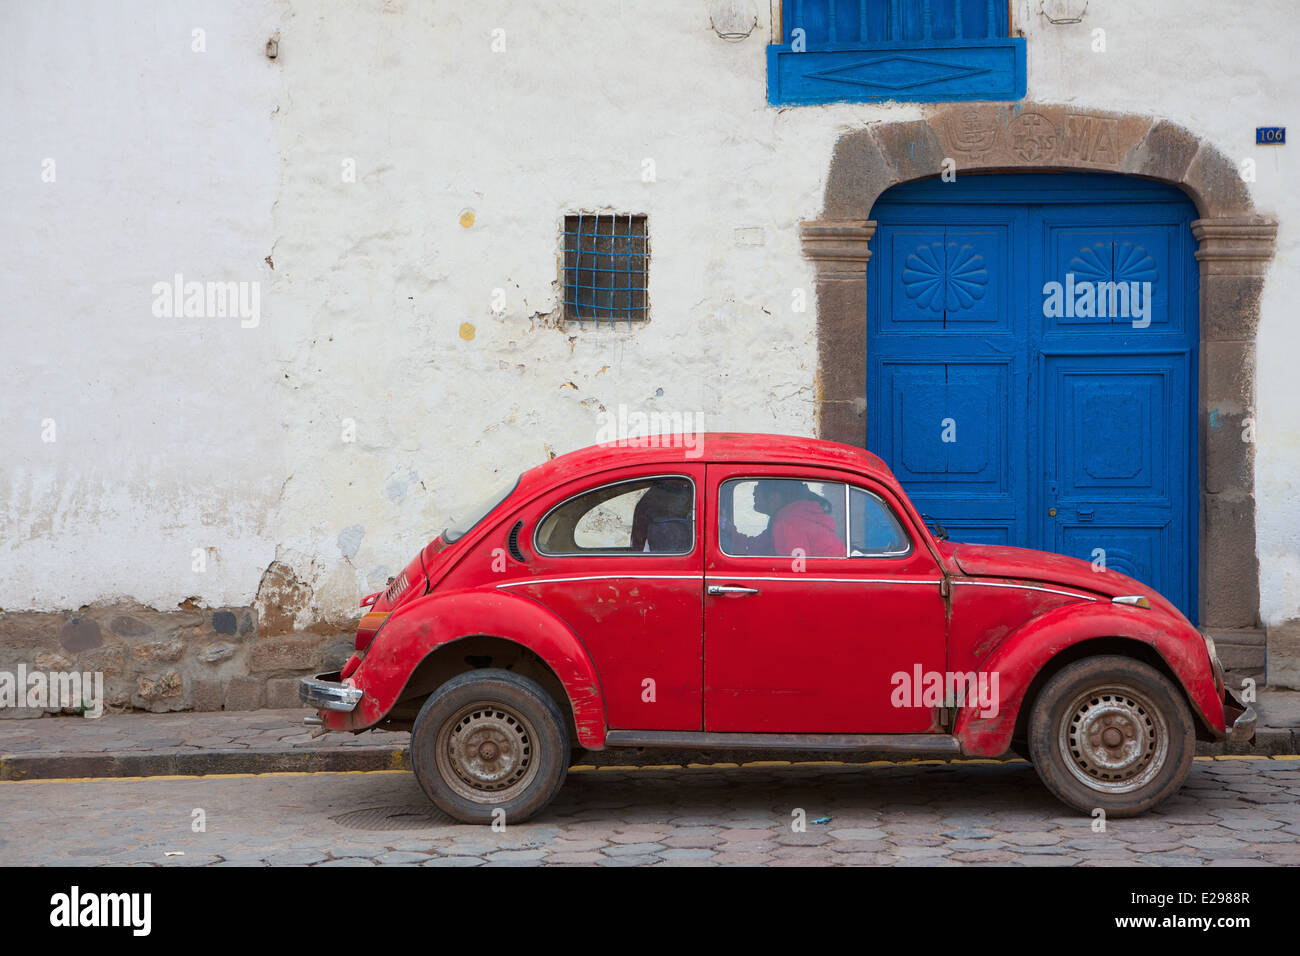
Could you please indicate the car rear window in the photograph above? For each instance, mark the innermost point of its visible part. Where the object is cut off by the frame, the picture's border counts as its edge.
(653, 515)
(484, 507)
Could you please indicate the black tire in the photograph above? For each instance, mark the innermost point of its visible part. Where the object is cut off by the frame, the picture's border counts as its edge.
(1111, 732)
(490, 740)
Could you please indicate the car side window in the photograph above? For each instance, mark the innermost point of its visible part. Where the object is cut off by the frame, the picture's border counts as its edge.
(874, 529)
(782, 517)
(786, 517)
(641, 516)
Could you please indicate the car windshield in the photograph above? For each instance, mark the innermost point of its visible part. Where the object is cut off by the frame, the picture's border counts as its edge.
(484, 507)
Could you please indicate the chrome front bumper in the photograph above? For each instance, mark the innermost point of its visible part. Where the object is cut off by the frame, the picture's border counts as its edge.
(1240, 718)
(327, 694)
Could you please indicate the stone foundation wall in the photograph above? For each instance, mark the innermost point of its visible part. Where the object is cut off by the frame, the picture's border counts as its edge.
(192, 658)
(1284, 655)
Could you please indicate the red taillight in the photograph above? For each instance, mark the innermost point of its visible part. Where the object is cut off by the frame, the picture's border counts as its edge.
(369, 627)
(408, 585)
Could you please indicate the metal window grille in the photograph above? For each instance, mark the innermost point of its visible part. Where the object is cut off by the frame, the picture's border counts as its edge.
(606, 266)
(876, 21)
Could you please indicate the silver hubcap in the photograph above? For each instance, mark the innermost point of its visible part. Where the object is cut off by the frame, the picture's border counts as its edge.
(486, 753)
(1114, 740)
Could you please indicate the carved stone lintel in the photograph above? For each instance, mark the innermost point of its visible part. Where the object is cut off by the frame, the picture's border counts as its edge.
(1235, 245)
(838, 247)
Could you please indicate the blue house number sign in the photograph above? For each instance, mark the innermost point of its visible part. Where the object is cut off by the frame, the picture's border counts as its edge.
(1270, 135)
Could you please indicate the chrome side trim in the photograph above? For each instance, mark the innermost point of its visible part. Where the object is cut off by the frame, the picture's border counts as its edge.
(718, 577)
(808, 577)
(1026, 587)
(789, 577)
(1132, 600)
(600, 577)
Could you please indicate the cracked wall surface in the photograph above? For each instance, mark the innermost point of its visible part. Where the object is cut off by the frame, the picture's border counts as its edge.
(409, 351)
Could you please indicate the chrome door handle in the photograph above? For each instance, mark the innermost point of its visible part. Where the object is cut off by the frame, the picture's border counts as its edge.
(730, 589)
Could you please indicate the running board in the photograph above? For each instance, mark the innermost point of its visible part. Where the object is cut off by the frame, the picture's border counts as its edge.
(704, 740)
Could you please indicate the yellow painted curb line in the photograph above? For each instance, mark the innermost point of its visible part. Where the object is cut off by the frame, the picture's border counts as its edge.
(581, 768)
(1241, 756)
(203, 776)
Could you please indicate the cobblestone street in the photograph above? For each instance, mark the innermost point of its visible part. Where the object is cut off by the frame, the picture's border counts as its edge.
(1233, 811)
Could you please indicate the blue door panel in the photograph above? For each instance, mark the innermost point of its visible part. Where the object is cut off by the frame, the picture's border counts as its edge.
(976, 297)
(976, 425)
(953, 277)
(950, 432)
(1114, 446)
(1130, 549)
(1110, 426)
(920, 399)
(1010, 422)
(906, 303)
(1152, 255)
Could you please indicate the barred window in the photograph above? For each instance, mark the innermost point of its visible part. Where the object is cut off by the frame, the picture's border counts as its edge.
(606, 259)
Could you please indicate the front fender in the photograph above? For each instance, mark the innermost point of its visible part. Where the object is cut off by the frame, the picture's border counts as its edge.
(1024, 653)
(417, 629)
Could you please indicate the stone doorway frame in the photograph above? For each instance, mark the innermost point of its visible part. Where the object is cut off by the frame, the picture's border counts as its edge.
(1235, 246)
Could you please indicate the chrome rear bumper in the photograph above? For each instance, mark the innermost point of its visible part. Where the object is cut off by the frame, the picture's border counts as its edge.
(327, 694)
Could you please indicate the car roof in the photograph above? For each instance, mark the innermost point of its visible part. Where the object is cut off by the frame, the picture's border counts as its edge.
(708, 447)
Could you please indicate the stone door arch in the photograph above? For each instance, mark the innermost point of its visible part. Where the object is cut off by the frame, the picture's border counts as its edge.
(1235, 246)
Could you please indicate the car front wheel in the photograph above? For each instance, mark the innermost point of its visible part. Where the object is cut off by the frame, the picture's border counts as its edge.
(1112, 733)
(490, 745)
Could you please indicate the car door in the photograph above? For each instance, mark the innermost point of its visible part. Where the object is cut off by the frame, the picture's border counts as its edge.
(619, 558)
(809, 623)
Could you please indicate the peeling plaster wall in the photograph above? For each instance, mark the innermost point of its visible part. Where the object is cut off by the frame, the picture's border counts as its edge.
(377, 320)
(164, 162)
(388, 297)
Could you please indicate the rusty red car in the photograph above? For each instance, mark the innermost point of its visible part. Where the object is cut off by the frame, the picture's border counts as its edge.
(761, 592)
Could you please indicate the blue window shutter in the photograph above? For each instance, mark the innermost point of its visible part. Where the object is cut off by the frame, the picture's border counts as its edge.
(863, 51)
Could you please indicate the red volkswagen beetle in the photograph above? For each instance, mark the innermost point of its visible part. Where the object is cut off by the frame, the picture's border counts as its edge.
(763, 592)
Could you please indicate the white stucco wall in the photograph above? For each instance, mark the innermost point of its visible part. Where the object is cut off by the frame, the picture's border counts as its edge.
(175, 434)
(164, 162)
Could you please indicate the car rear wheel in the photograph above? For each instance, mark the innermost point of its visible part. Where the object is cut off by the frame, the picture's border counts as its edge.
(1112, 733)
(490, 740)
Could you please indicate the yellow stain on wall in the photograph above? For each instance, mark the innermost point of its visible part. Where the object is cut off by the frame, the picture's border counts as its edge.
(467, 331)
(467, 218)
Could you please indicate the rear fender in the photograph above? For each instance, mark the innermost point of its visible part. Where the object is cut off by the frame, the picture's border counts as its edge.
(419, 628)
(1025, 652)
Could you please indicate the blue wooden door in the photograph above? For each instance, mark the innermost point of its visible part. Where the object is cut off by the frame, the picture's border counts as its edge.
(1031, 365)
